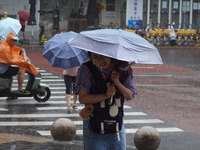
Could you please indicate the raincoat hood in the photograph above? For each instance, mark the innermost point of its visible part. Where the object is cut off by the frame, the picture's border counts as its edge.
(9, 38)
(11, 54)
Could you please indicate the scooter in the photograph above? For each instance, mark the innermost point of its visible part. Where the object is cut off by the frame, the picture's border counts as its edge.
(40, 91)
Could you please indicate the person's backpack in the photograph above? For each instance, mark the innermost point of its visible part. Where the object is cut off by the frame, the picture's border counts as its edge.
(107, 115)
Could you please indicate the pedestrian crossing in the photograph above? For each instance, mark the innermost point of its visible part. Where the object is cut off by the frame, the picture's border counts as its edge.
(26, 112)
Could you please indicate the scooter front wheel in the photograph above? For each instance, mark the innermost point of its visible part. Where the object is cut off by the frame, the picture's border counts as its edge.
(42, 96)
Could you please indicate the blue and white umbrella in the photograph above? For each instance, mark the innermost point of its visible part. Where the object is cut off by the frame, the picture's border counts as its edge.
(60, 54)
(118, 44)
(9, 25)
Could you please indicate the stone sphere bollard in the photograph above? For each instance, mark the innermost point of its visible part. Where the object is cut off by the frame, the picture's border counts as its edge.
(63, 129)
(147, 138)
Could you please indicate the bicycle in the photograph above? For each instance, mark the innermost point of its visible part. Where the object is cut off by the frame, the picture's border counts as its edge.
(166, 34)
(180, 37)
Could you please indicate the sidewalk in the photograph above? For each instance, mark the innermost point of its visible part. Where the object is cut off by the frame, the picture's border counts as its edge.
(33, 38)
(20, 142)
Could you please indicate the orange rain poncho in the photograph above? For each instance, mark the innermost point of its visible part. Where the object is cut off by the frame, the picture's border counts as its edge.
(11, 55)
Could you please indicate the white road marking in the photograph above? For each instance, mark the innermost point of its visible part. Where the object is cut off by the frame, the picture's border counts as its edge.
(142, 67)
(128, 131)
(51, 88)
(49, 84)
(168, 129)
(161, 85)
(3, 109)
(59, 115)
(41, 70)
(61, 86)
(53, 96)
(50, 77)
(64, 108)
(49, 123)
(46, 73)
(33, 102)
(58, 92)
(61, 91)
(45, 80)
(152, 75)
(143, 121)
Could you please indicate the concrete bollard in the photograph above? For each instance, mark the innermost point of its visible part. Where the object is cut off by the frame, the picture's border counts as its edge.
(63, 129)
(147, 138)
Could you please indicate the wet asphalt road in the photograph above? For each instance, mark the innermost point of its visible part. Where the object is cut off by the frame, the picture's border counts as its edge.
(186, 57)
(169, 93)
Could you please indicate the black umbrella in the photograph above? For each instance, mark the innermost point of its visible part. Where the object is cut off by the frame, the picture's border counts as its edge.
(32, 20)
(92, 12)
(45, 11)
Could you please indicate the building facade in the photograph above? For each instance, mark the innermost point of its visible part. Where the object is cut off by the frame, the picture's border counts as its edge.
(13, 6)
(183, 13)
(146, 13)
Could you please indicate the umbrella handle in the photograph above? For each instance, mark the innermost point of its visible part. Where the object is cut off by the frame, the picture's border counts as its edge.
(126, 67)
(111, 98)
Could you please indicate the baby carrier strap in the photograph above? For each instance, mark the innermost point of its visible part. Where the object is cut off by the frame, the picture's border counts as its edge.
(107, 119)
(93, 71)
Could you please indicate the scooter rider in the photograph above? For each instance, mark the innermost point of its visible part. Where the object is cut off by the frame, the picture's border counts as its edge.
(10, 55)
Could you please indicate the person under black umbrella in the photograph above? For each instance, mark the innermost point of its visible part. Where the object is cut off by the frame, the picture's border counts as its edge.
(92, 12)
(56, 14)
(32, 20)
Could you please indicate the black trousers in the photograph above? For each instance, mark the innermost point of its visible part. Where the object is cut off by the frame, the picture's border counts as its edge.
(12, 71)
(41, 31)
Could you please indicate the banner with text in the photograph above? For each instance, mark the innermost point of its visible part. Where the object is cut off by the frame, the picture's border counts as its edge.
(134, 13)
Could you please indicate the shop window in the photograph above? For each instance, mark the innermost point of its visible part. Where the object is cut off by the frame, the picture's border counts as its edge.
(110, 5)
(185, 14)
(164, 5)
(196, 15)
(175, 5)
(186, 6)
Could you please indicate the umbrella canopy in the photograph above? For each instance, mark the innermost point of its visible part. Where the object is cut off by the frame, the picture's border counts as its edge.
(9, 25)
(118, 44)
(23, 14)
(60, 54)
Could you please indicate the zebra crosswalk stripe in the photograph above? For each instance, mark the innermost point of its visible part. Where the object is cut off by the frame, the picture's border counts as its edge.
(59, 115)
(127, 131)
(80, 122)
(57, 102)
